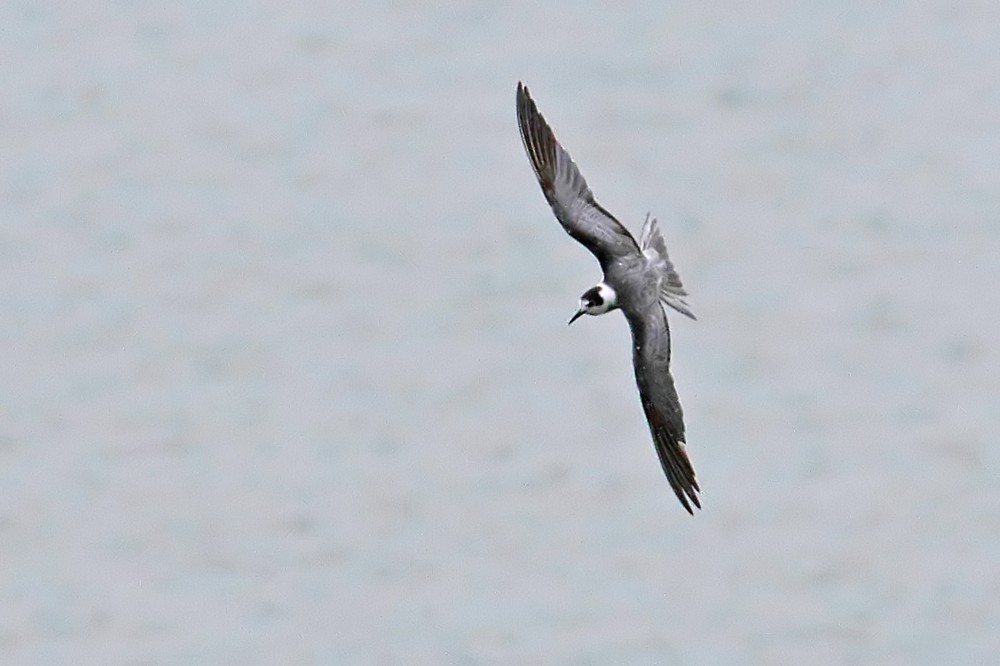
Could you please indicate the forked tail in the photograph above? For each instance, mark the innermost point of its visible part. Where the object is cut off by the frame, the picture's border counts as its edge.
(672, 292)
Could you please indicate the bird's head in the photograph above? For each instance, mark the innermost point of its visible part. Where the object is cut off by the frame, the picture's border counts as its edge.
(596, 301)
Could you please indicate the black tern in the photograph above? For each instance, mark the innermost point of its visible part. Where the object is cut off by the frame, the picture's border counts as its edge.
(639, 279)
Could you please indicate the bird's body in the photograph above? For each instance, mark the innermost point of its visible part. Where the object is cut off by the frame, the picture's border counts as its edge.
(639, 279)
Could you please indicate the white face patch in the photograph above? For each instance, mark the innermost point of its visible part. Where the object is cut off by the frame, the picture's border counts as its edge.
(606, 296)
(609, 295)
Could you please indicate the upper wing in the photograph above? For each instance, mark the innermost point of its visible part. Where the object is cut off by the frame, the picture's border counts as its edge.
(651, 358)
(566, 190)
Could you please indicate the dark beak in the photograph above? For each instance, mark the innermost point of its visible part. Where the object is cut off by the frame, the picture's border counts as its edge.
(576, 316)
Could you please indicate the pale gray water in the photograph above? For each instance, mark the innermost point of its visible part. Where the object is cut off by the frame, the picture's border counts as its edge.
(286, 371)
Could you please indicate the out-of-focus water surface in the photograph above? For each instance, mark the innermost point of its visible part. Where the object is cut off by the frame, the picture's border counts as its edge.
(286, 375)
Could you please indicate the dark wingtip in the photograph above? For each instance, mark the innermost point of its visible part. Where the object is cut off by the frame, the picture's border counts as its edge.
(539, 142)
(675, 463)
(688, 494)
(691, 493)
(523, 96)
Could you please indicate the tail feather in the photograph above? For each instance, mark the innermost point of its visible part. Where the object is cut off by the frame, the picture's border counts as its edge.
(672, 291)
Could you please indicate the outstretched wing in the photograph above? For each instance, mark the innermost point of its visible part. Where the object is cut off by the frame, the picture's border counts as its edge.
(565, 189)
(651, 358)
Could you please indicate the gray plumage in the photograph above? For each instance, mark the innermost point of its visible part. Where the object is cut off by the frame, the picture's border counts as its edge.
(641, 277)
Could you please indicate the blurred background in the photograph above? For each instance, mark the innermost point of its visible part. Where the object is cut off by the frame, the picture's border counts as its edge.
(286, 372)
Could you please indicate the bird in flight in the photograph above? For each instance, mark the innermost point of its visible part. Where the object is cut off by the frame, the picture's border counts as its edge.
(639, 279)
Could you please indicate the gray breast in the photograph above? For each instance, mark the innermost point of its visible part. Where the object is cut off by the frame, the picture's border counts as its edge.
(635, 281)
